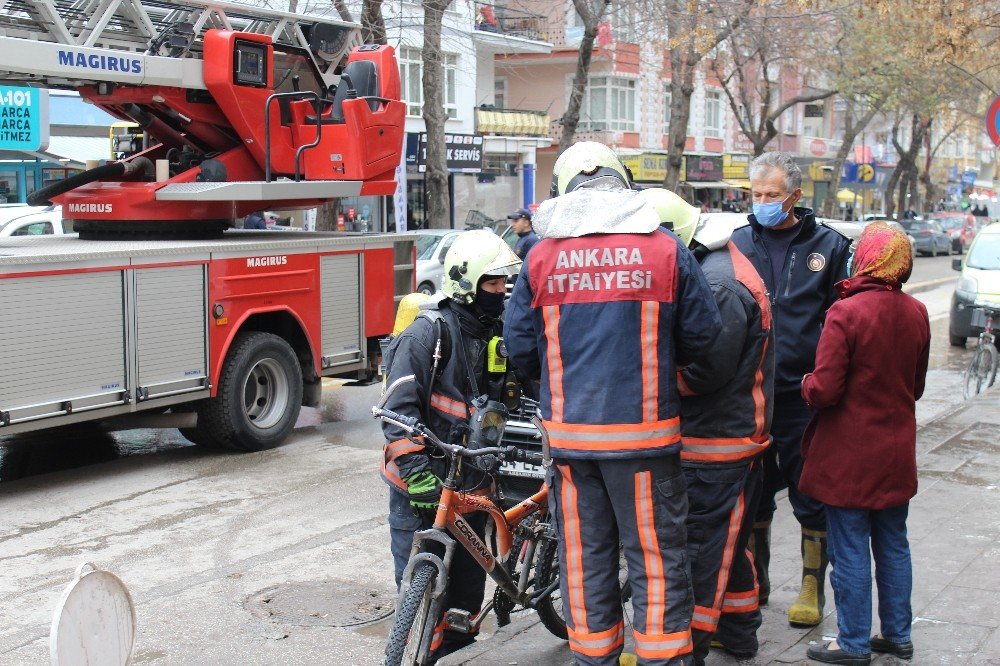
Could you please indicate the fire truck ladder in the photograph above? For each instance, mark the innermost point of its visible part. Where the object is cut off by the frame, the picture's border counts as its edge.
(65, 44)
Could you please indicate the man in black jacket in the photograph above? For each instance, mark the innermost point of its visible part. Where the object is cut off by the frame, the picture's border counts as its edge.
(446, 348)
(726, 405)
(800, 262)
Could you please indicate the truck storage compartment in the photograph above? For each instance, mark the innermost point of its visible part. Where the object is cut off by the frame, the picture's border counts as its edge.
(342, 297)
(170, 313)
(64, 344)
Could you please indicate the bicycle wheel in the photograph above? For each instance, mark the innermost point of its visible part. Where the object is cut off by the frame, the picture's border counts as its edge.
(981, 369)
(991, 375)
(411, 624)
(550, 609)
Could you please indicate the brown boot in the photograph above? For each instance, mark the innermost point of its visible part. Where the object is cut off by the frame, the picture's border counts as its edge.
(807, 611)
(759, 546)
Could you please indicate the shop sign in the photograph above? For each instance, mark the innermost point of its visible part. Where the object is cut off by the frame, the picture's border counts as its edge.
(464, 152)
(647, 167)
(24, 118)
(735, 167)
(704, 167)
(813, 146)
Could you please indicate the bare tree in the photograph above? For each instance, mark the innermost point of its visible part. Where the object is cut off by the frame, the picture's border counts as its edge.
(694, 29)
(591, 12)
(436, 164)
(372, 23)
(753, 64)
(901, 175)
(857, 116)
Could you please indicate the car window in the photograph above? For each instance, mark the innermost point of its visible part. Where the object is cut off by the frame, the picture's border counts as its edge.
(510, 237)
(985, 253)
(426, 244)
(949, 222)
(33, 229)
(445, 245)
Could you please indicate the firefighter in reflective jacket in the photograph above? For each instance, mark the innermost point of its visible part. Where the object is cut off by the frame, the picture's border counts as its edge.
(604, 302)
(447, 348)
(726, 404)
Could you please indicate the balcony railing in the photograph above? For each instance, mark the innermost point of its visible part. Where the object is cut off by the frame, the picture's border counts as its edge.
(507, 21)
(511, 122)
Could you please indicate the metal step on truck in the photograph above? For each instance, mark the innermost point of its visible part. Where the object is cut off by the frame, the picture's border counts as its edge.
(238, 332)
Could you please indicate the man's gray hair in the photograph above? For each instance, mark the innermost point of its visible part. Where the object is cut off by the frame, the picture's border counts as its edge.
(781, 161)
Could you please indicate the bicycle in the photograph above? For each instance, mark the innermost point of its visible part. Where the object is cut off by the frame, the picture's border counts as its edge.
(523, 566)
(982, 370)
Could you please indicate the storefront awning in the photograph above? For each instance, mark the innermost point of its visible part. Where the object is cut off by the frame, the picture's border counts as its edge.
(515, 123)
(708, 185)
(738, 183)
(74, 151)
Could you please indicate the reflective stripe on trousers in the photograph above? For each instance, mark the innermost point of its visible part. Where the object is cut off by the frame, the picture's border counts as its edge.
(638, 506)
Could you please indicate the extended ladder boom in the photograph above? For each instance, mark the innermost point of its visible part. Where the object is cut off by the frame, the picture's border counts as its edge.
(64, 44)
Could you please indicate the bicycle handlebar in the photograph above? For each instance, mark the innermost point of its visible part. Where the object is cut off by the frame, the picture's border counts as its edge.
(414, 428)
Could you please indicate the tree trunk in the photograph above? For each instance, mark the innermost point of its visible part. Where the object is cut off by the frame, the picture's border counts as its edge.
(372, 25)
(326, 216)
(571, 118)
(851, 131)
(681, 90)
(436, 174)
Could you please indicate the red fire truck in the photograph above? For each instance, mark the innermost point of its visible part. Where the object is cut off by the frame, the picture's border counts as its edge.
(158, 305)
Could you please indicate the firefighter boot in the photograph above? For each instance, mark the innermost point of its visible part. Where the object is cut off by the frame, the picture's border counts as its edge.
(807, 611)
(759, 546)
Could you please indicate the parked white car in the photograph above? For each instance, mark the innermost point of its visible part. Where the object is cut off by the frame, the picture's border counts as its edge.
(32, 221)
(432, 245)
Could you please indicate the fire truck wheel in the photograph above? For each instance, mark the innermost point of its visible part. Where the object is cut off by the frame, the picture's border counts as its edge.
(259, 397)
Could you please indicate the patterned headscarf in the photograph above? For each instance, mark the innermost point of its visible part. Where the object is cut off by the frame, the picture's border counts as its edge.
(883, 253)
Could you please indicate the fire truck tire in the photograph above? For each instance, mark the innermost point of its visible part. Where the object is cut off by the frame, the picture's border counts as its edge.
(259, 396)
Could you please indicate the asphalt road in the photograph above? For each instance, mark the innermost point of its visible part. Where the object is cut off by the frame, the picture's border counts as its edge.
(256, 558)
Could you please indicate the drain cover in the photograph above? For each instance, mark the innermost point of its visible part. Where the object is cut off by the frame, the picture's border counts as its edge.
(331, 603)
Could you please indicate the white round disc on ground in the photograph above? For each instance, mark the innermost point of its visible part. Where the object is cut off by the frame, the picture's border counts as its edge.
(94, 622)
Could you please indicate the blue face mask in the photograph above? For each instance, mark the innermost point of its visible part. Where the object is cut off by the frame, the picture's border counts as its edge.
(770, 214)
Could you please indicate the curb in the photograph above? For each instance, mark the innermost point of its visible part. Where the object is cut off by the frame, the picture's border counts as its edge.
(927, 285)
(502, 636)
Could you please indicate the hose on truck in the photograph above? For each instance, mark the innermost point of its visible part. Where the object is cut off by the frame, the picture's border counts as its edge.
(43, 196)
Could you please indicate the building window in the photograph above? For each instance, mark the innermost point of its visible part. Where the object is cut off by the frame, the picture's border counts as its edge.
(609, 104)
(713, 114)
(500, 93)
(411, 82)
(667, 100)
(624, 17)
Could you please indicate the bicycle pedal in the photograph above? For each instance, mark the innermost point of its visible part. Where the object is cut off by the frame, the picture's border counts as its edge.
(459, 620)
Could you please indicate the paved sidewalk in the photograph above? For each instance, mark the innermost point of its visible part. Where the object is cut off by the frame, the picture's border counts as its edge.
(954, 529)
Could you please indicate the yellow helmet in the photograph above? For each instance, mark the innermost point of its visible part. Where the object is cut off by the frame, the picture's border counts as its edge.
(583, 162)
(474, 255)
(675, 213)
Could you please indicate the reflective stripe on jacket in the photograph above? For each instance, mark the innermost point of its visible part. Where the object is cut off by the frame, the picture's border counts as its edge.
(601, 320)
(442, 405)
(727, 393)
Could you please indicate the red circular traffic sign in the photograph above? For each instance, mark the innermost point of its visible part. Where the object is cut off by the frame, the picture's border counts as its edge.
(993, 121)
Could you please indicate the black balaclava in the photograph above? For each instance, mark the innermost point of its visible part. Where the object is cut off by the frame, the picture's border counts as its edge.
(491, 304)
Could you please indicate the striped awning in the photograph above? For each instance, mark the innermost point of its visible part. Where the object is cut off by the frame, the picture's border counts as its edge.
(512, 123)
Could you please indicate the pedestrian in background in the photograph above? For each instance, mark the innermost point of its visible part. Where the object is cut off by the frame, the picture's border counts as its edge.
(254, 220)
(526, 236)
(860, 447)
(800, 261)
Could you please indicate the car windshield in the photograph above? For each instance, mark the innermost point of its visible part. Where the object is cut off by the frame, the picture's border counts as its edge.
(426, 244)
(949, 222)
(985, 253)
(914, 225)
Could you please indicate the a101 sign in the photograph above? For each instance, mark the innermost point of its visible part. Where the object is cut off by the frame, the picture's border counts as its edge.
(24, 118)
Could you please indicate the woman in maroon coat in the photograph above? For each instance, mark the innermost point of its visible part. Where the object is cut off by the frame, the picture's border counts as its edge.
(860, 447)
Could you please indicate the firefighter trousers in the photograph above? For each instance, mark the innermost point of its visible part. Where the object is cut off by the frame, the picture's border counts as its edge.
(639, 506)
(722, 506)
